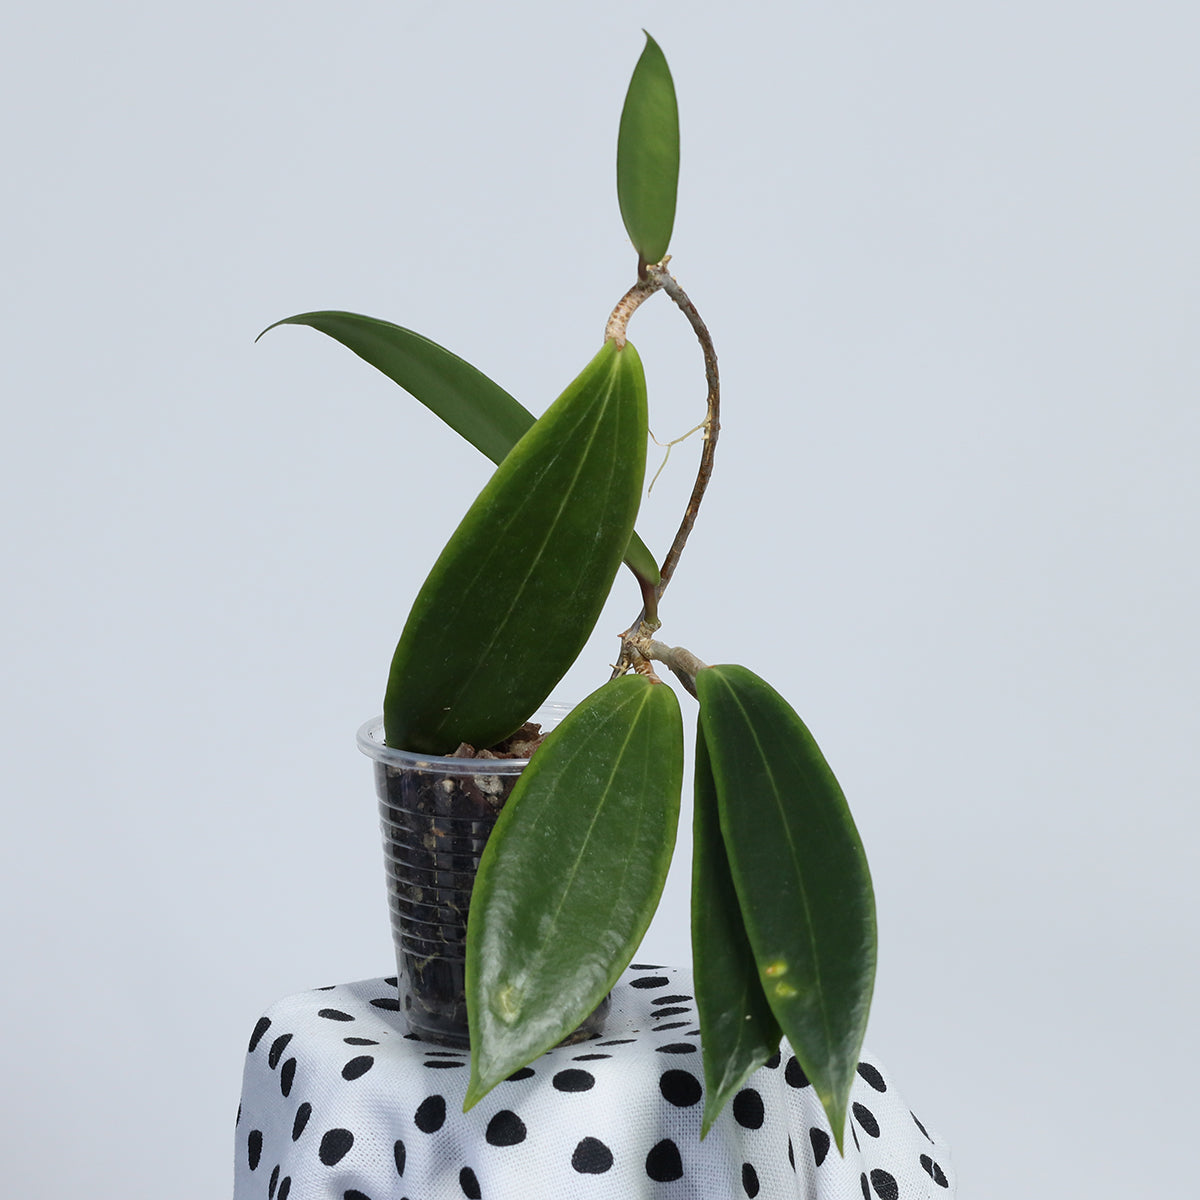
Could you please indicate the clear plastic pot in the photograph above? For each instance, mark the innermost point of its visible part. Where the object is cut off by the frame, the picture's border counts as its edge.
(436, 814)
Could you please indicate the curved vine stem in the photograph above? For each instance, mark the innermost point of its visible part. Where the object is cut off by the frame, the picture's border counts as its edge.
(659, 278)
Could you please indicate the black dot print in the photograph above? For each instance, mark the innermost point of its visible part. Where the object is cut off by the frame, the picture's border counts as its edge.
(355, 1194)
(400, 1155)
(264, 1023)
(441, 1064)
(773, 1061)
(574, 1079)
(866, 1118)
(591, 1157)
(254, 1148)
(287, 1073)
(468, 1183)
(671, 1000)
(650, 981)
(505, 1129)
(589, 1057)
(431, 1114)
(791, 1153)
(669, 1025)
(680, 1088)
(335, 1145)
(302, 1115)
(820, 1144)
(273, 1184)
(387, 1002)
(794, 1074)
(748, 1109)
(356, 1068)
(676, 1048)
(277, 1048)
(392, 981)
(334, 1014)
(523, 1073)
(866, 1187)
(285, 1186)
(885, 1185)
(238, 1119)
(327, 988)
(934, 1171)
(618, 1042)
(643, 967)
(360, 1042)
(749, 1180)
(663, 1162)
(921, 1128)
(872, 1076)
(670, 1012)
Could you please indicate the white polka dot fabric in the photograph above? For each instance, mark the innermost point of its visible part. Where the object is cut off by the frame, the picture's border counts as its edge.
(341, 1102)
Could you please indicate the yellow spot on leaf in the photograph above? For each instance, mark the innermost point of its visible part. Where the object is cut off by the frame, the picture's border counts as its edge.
(785, 991)
(778, 967)
(508, 1003)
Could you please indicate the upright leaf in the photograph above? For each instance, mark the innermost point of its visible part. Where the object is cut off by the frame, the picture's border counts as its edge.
(800, 872)
(739, 1029)
(648, 155)
(572, 874)
(473, 405)
(514, 595)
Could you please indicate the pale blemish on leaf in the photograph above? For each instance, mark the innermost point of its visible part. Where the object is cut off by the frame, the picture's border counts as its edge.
(508, 1003)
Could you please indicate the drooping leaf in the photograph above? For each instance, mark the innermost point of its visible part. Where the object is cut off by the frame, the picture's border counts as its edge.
(513, 597)
(801, 876)
(572, 874)
(739, 1029)
(473, 405)
(648, 155)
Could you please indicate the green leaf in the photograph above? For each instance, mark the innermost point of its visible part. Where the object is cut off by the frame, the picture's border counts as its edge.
(801, 876)
(740, 1030)
(571, 875)
(513, 597)
(648, 155)
(474, 406)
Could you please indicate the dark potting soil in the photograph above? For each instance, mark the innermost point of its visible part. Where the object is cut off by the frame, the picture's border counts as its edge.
(435, 826)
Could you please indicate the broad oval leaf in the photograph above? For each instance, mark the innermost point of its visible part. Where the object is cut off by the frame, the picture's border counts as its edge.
(513, 597)
(800, 872)
(473, 405)
(648, 155)
(739, 1030)
(572, 874)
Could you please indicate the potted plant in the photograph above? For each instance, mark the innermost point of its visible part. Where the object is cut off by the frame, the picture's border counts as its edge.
(783, 919)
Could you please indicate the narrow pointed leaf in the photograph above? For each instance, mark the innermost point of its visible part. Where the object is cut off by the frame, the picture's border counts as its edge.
(572, 874)
(473, 405)
(514, 595)
(801, 876)
(739, 1030)
(648, 155)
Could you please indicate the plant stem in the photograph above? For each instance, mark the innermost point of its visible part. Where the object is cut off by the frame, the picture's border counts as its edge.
(682, 663)
(658, 277)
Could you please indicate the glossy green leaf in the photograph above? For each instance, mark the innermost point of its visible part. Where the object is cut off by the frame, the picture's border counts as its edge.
(740, 1031)
(572, 874)
(513, 597)
(473, 405)
(648, 155)
(800, 872)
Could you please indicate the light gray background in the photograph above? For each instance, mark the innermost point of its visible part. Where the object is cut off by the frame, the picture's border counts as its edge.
(949, 253)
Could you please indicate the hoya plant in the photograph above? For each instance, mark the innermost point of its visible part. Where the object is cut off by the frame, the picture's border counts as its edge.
(782, 912)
